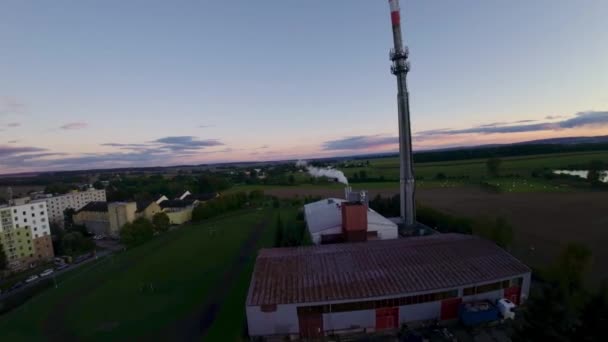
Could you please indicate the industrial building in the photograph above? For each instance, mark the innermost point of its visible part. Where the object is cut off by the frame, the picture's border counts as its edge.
(377, 285)
(25, 234)
(335, 220)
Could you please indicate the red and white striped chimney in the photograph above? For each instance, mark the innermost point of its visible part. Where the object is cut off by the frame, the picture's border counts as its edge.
(395, 16)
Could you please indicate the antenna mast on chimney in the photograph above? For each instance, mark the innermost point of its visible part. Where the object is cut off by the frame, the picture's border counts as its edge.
(400, 68)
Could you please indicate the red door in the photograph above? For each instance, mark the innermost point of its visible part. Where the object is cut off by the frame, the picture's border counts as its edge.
(387, 318)
(449, 308)
(311, 325)
(513, 294)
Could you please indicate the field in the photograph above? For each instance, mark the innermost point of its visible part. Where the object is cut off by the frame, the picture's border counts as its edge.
(184, 284)
(545, 214)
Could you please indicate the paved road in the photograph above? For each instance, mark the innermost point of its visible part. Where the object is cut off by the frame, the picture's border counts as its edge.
(70, 267)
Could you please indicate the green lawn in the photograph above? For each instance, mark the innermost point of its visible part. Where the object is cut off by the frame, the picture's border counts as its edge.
(113, 299)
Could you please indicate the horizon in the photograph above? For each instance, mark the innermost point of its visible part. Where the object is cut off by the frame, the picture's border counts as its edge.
(94, 86)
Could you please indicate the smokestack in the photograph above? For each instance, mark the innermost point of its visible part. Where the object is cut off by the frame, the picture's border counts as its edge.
(400, 68)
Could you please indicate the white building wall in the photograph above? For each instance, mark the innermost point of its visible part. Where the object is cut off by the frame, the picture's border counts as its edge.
(33, 215)
(75, 200)
(360, 319)
(283, 321)
(419, 312)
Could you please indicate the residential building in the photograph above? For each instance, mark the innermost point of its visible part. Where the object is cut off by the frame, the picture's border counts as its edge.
(314, 291)
(106, 218)
(179, 211)
(94, 216)
(334, 220)
(25, 233)
(74, 200)
(147, 209)
(120, 213)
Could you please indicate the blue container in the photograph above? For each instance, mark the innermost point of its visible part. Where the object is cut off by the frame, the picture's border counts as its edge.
(475, 313)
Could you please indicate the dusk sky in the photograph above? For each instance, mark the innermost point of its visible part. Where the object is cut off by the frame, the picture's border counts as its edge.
(117, 83)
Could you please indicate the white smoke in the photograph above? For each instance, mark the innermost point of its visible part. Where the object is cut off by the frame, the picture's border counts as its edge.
(323, 172)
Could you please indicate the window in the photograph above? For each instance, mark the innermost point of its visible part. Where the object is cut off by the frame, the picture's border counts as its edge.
(469, 291)
(14, 211)
(517, 281)
(42, 213)
(24, 213)
(24, 219)
(33, 214)
(40, 206)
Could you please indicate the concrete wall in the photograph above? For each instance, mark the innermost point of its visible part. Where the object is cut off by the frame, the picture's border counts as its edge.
(283, 321)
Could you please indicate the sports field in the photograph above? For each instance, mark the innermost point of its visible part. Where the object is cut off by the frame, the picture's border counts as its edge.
(184, 285)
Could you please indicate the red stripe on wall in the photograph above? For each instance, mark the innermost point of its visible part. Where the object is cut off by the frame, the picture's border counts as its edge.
(395, 18)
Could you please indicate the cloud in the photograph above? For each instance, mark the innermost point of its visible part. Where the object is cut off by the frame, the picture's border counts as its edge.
(184, 143)
(553, 117)
(581, 119)
(6, 151)
(74, 125)
(10, 105)
(12, 141)
(13, 124)
(360, 142)
(206, 126)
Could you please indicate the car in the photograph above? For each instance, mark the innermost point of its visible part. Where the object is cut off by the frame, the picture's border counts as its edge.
(31, 278)
(46, 272)
(60, 267)
(17, 285)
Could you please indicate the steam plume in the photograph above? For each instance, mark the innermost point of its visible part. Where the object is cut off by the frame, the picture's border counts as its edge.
(323, 172)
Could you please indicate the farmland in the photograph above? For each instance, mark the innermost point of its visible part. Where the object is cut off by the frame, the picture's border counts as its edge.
(174, 284)
(545, 213)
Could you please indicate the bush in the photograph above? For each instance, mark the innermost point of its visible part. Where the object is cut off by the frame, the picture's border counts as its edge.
(137, 232)
(219, 206)
(161, 222)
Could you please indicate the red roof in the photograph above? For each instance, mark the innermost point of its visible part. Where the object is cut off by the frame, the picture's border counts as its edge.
(377, 268)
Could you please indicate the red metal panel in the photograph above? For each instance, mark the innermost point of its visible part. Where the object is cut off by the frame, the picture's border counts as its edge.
(513, 294)
(449, 308)
(387, 318)
(311, 325)
(354, 217)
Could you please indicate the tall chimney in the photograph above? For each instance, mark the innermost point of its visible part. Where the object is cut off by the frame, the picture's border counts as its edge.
(400, 68)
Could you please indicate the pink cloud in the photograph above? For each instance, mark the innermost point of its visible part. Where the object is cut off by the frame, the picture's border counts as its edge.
(74, 125)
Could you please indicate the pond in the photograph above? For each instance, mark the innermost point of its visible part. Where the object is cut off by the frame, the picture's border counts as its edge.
(582, 174)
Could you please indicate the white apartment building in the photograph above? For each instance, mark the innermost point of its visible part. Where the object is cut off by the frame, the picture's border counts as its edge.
(25, 233)
(74, 200)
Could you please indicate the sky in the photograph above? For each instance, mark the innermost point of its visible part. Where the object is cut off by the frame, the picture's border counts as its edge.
(119, 83)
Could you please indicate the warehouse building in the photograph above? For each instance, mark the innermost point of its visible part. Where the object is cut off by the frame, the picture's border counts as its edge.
(377, 285)
(334, 220)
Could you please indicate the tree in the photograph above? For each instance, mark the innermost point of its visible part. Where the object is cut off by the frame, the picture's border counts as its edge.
(291, 179)
(362, 175)
(74, 243)
(98, 185)
(278, 238)
(137, 232)
(596, 168)
(161, 222)
(3, 259)
(493, 166)
(68, 218)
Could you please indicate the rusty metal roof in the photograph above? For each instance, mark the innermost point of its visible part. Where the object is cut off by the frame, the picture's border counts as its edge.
(377, 268)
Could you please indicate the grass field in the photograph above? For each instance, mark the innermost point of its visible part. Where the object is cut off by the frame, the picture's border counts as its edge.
(146, 292)
(476, 168)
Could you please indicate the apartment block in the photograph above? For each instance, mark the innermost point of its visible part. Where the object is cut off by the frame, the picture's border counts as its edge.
(74, 200)
(25, 233)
